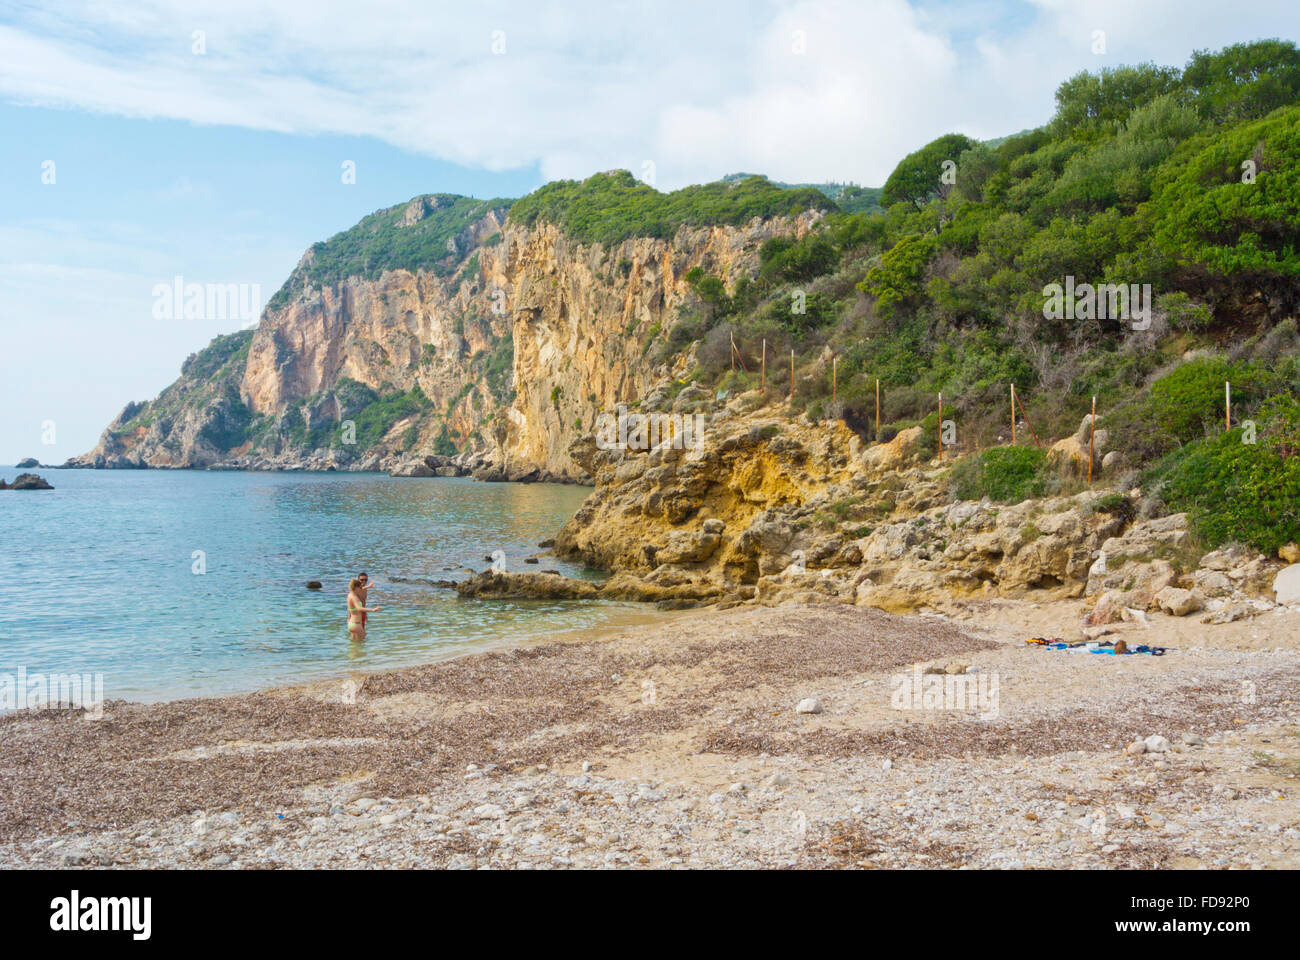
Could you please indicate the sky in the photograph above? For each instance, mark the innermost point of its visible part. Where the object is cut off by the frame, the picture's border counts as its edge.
(207, 139)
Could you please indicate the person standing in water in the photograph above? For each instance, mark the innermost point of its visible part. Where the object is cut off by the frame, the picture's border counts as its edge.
(366, 587)
(357, 610)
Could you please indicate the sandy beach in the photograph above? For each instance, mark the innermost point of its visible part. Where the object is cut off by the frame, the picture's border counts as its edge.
(679, 744)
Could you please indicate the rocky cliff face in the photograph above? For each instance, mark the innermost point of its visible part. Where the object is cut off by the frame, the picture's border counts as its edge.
(774, 509)
(586, 319)
(509, 346)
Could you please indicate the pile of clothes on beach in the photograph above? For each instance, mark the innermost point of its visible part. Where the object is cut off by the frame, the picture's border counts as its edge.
(1116, 648)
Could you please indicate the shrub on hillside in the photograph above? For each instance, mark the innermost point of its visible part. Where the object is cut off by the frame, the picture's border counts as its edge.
(1003, 474)
(1235, 490)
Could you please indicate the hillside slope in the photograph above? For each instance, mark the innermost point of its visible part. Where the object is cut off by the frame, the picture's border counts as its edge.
(1141, 248)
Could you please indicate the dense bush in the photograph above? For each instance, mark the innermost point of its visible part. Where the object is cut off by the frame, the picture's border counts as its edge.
(1191, 395)
(788, 259)
(611, 207)
(1206, 215)
(917, 176)
(1235, 490)
(1003, 474)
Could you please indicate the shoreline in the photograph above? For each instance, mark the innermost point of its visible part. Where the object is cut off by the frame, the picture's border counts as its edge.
(646, 746)
(637, 614)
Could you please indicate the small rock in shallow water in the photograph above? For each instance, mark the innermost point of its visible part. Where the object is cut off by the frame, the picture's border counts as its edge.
(808, 705)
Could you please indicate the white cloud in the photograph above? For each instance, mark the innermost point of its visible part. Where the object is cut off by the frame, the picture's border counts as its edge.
(701, 90)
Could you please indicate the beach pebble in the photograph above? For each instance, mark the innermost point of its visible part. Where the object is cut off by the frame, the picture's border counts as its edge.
(1136, 747)
(1156, 744)
(489, 811)
(808, 705)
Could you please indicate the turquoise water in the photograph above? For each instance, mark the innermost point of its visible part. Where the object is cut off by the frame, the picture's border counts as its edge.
(98, 576)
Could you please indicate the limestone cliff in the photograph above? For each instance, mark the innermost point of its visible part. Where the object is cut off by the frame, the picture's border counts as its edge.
(495, 340)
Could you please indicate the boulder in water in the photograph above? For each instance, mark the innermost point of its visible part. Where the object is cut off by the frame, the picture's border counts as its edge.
(29, 481)
(27, 464)
(313, 584)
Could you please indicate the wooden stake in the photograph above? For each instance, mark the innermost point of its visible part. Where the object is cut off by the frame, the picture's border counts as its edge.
(877, 410)
(1021, 404)
(792, 375)
(762, 377)
(941, 426)
(1092, 431)
(1227, 405)
(1013, 414)
(835, 365)
(735, 355)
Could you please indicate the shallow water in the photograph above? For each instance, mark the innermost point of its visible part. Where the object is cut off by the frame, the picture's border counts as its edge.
(185, 583)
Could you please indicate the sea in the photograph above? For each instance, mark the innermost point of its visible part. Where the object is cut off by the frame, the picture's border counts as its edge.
(168, 584)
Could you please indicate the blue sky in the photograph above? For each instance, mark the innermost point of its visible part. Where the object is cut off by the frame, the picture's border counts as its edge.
(222, 164)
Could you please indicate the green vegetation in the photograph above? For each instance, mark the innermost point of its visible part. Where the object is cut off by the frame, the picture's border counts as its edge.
(918, 177)
(611, 207)
(442, 443)
(1003, 474)
(230, 424)
(372, 414)
(497, 367)
(848, 197)
(1181, 182)
(230, 348)
(385, 241)
(1233, 489)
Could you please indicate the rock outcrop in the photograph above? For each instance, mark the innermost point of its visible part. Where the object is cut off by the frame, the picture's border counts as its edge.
(26, 481)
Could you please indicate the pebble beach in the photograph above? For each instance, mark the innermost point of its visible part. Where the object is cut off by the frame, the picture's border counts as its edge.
(750, 737)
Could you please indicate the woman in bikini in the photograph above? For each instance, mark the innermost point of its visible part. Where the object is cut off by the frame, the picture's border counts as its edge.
(357, 610)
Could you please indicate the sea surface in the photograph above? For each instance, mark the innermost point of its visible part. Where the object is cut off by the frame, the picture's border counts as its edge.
(192, 583)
